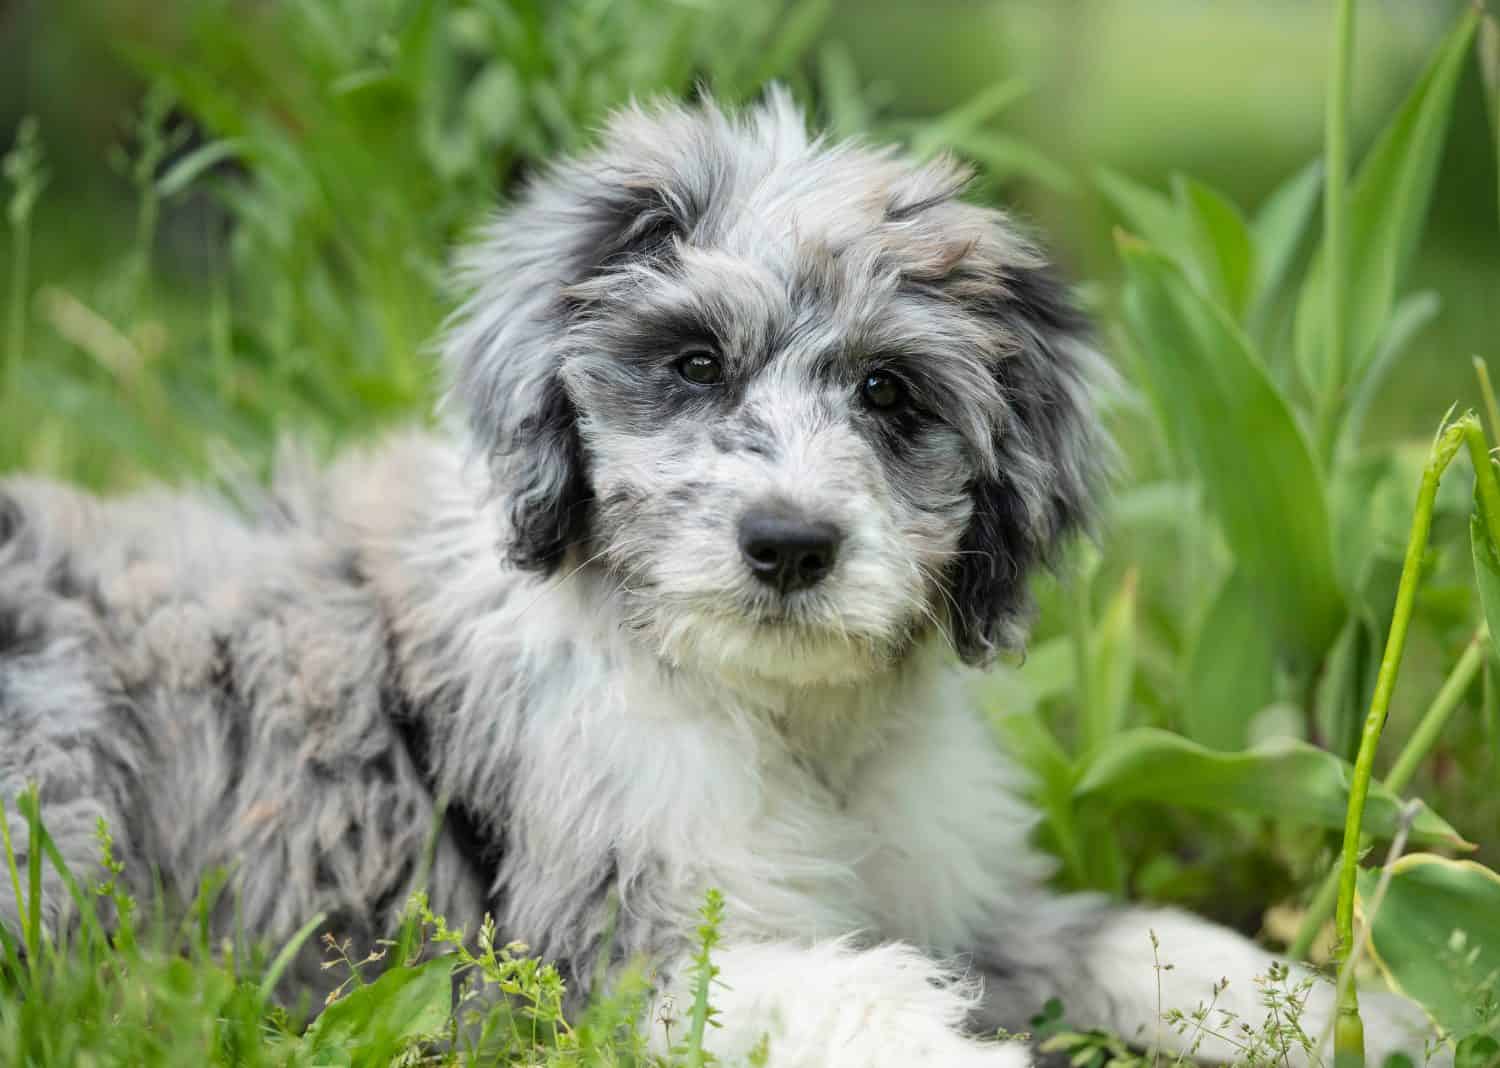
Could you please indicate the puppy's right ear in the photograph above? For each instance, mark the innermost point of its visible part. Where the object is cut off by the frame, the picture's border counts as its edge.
(506, 346)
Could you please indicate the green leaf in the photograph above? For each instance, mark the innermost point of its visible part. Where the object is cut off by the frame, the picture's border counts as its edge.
(1476, 1051)
(1279, 227)
(375, 1021)
(844, 100)
(1429, 898)
(1284, 779)
(1221, 243)
(1052, 776)
(796, 30)
(1226, 418)
(1004, 156)
(1387, 208)
(1113, 668)
(968, 118)
(1148, 213)
(1231, 669)
(1411, 315)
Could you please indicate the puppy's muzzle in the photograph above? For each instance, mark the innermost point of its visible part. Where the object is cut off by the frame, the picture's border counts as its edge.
(787, 550)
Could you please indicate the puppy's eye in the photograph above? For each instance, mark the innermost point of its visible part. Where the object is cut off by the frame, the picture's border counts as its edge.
(883, 391)
(701, 367)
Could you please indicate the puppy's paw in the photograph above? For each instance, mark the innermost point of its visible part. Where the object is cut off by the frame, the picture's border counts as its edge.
(935, 1045)
(833, 1006)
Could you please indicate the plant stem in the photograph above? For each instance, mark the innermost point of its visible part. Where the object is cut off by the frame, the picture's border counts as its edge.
(1486, 486)
(1417, 747)
(1431, 725)
(1080, 625)
(1489, 69)
(1348, 1035)
(1349, 1031)
(1335, 220)
(1487, 391)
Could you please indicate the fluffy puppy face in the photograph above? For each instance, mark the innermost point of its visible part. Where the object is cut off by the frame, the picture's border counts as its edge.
(803, 405)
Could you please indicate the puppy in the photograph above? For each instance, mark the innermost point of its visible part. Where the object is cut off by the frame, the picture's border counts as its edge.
(756, 441)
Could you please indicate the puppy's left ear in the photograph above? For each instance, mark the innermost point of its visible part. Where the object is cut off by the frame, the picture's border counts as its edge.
(1049, 452)
(581, 222)
(503, 357)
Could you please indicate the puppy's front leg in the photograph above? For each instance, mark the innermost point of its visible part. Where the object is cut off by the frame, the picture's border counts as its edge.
(830, 1005)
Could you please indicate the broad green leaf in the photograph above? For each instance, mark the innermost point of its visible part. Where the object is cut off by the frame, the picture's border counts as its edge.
(1113, 666)
(1477, 1050)
(378, 1020)
(1284, 779)
(1231, 669)
(1278, 229)
(1220, 240)
(1387, 208)
(1411, 315)
(1226, 418)
(1414, 934)
(1486, 569)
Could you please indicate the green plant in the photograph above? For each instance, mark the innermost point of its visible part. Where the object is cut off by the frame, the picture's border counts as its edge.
(26, 176)
(1280, 527)
(114, 990)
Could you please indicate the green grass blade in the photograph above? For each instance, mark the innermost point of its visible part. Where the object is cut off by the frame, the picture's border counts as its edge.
(1146, 212)
(1231, 668)
(30, 807)
(1411, 315)
(1221, 240)
(10, 864)
(1387, 207)
(1228, 421)
(1112, 667)
(1278, 230)
(283, 959)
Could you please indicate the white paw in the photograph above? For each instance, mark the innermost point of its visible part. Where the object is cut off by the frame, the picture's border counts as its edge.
(831, 1006)
(896, 1043)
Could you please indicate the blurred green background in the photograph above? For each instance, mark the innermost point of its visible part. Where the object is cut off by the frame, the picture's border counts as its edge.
(1230, 92)
(250, 205)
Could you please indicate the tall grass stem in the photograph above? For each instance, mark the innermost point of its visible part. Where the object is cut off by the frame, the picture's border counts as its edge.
(1416, 750)
(1348, 1035)
(1336, 221)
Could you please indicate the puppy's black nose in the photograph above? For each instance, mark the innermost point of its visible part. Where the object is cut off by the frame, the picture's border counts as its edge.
(787, 551)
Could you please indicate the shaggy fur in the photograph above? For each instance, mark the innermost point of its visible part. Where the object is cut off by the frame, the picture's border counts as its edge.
(546, 618)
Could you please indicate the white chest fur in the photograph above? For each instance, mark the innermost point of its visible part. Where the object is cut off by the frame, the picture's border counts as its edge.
(878, 812)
